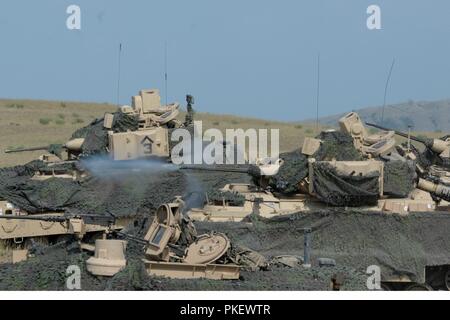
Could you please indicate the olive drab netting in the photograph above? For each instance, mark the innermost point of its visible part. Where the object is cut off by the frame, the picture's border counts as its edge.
(399, 245)
(230, 197)
(340, 190)
(293, 170)
(336, 145)
(119, 193)
(96, 136)
(336, 189)
(398, 178)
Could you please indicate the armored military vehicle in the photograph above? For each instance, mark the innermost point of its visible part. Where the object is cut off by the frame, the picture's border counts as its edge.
(345, 168)
(20, 231)
(172, 249)
(138, 131)
(349, 170)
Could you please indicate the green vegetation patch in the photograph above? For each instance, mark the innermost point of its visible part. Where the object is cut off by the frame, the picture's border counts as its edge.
(15, 105)
(45, 121)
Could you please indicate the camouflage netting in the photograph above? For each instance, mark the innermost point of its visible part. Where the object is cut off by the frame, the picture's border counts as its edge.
(400, 245)
(48, 272)
(123, 191)
(96, 136)
(119, 193)
(293, 170)
(425, 158)
(399, 178)
(338, 190)
(232, 198)
(341, 191)
(336, 145)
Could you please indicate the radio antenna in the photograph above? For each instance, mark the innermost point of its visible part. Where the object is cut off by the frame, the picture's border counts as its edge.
(318, 92)
(118, 75)
(385, 90)
(165, 70)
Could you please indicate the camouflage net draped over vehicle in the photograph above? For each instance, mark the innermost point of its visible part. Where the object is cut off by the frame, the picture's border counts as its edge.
(335, 189)
(335, 145)
(399, 245)
(398, 178)
(232, 198)
(120, 193)
(344, 191)
(96, 136)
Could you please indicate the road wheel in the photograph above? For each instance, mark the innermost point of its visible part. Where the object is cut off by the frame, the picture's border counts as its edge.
(419, 287)
(447, 279)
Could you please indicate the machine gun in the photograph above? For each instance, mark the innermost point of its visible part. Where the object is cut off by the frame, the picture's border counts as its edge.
(438, 146)
(101, 220)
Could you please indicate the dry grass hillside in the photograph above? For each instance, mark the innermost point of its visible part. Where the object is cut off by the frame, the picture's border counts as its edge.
(30, 123)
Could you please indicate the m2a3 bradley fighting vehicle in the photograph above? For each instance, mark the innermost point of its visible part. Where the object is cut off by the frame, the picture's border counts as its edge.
(345, 168)
(368, 175)
(30, 207)
(139, 131)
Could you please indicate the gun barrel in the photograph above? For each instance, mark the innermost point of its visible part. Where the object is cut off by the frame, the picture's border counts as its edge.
(402, 134)
(47, 218)
(26, 149)
(87, 218)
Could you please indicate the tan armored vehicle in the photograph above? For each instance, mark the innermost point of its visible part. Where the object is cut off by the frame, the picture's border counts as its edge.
(149, 138)
(164, 256)
(17, 228)
(152, 136)
(256, 201)
(376, 151)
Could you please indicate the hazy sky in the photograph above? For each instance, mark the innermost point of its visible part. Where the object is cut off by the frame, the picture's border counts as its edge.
(251, 57)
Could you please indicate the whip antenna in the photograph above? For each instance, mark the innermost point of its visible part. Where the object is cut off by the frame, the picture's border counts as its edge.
(118, 75)
(318, 93)
(386, 88)
(165, 70)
